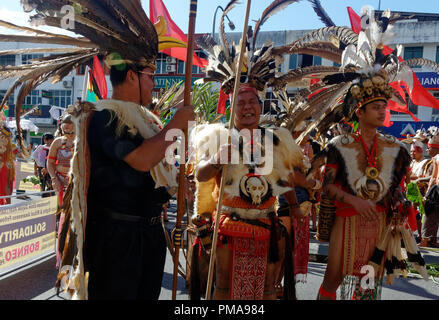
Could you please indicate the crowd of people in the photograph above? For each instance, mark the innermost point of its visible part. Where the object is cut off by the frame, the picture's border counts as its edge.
(326, 168)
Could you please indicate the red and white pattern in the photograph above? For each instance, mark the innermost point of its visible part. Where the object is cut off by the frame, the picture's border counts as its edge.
(248, 268)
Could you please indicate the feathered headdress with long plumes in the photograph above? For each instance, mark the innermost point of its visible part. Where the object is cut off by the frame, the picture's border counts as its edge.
(368, 67)
(118, 29)
(260, 64)
(106, 26)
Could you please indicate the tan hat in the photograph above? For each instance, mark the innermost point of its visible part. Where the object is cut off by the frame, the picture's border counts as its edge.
(408, 140)
(420, 136)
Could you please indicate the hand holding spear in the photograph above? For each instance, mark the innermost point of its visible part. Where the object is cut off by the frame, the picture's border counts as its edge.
(181, 206)
(231, 126)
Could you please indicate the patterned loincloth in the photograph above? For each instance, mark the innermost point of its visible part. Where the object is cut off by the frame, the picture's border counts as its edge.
(248, 268)
(360, 238)
(301, 250)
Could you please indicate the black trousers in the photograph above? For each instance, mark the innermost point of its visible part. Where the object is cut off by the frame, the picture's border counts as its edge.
(125, 260)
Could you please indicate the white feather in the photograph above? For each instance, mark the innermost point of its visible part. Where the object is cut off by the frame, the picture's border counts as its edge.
(350, 56)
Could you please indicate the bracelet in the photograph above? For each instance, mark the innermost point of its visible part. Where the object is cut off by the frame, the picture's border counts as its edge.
(318, 185)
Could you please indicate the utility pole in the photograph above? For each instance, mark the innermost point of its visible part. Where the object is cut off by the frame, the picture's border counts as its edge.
(379, 5)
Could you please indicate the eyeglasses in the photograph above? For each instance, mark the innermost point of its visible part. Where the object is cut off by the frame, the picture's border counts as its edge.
(150, 74)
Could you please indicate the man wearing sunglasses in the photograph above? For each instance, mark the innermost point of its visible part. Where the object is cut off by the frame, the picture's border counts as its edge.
(125, 246)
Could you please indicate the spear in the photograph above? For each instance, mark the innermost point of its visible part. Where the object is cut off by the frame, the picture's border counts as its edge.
(181, 201)
(224, 171)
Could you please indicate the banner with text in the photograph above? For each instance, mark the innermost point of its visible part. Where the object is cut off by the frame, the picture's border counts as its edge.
(27, 232)
(23, 170)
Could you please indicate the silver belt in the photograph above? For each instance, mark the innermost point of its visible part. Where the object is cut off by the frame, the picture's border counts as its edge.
(248, 213)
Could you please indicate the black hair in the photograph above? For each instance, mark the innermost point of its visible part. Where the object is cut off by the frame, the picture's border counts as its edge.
(118, 73)
(48, 136)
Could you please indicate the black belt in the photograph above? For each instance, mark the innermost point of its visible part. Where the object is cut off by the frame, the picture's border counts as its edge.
(130, 218)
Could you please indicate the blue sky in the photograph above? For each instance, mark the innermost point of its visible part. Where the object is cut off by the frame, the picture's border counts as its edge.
(297, 16)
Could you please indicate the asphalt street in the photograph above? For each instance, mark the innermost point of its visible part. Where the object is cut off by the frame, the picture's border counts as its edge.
(36, 281)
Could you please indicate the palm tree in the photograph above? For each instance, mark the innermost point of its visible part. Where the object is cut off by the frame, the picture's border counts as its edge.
(204, 99)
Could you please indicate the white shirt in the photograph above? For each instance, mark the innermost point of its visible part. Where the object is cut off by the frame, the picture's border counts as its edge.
(40, 155)
(418, 167)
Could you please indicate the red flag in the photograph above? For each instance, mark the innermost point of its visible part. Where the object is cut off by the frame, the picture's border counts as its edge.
(419, 95)
(387, 123)
(355, 20)
(221, 108)
(99, 77)
(157, 8)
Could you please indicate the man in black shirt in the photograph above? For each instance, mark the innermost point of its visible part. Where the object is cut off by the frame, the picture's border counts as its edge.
(125, 247)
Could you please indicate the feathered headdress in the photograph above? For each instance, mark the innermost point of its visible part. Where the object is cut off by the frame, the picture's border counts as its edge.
(369, 71)
(260, 64)
(106, 27)
(118, 29)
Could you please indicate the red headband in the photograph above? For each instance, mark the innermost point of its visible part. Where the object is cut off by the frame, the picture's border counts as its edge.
(246, 88)
(432, 145)
(417, 149)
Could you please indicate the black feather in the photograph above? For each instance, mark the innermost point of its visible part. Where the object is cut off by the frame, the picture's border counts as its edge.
(340, 77)
(320, 11)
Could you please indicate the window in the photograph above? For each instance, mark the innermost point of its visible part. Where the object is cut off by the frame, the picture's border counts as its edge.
(317, 61)
(304, 60)
(60, 98)
(270, 103)
(413, 108)
(196, 69)
(437, 54)
(161, 64)
(33, 98)
(293, 62)
(181, 65)
(436, 111)
(7, 60)
(26, 58)
(80, 71)
(413, 52)
(10, 99)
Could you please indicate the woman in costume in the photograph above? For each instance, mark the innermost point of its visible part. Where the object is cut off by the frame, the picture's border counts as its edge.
(7, 168)
(60, 154)
(58, 165)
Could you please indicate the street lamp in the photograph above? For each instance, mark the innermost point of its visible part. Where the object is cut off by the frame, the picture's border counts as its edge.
(231, 25)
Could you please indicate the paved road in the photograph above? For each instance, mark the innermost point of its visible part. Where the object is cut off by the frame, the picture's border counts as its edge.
(36, 281)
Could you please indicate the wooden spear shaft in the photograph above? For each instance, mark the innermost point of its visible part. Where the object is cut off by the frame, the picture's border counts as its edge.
(181, 200)
(224, 171)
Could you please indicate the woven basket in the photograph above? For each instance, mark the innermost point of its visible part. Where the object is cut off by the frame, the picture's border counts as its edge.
(326, 219)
